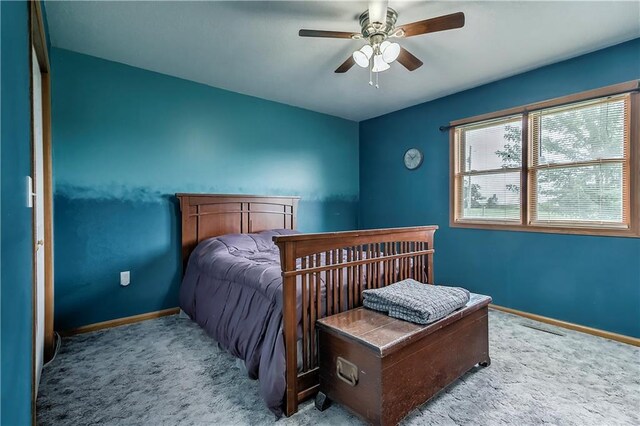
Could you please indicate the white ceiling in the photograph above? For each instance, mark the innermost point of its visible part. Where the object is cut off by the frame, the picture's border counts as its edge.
(253, 47)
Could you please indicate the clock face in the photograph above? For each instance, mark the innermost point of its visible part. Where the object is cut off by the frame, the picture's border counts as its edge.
(412, 158)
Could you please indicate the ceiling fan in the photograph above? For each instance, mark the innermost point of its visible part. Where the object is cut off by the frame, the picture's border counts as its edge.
(378, 24)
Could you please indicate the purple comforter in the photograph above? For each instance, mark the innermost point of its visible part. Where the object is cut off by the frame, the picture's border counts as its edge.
(233, 289)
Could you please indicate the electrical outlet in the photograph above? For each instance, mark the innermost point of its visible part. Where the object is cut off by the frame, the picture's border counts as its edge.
(125, 278)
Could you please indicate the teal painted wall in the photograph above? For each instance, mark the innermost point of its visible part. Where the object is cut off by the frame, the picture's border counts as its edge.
(587, 280)
(16, 252)
(126, 139)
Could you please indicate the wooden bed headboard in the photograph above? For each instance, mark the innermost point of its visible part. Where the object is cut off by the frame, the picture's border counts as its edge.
(210, 215)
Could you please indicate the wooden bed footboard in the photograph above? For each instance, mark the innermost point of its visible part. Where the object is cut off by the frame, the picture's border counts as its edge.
(329, 271)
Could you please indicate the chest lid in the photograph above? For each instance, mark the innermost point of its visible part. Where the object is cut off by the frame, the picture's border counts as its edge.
(384, 334)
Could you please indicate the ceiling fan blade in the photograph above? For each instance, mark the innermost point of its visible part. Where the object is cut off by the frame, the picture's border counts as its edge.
(326, 34)
(441, 23)
(409, 61)
(378, 10)
(346, 65)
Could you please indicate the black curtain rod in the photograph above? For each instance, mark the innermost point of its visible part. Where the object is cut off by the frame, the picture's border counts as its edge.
(525, 110)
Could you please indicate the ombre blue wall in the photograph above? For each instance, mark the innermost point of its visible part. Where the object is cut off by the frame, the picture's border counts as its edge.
(594, 281)
(126, 139)
(16, 321)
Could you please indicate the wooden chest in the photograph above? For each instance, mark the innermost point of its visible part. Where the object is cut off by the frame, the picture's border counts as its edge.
(381, 368)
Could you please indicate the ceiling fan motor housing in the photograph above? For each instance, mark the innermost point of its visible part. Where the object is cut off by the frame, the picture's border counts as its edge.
(377, 32)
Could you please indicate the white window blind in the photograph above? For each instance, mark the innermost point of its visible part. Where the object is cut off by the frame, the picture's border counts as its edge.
(488, 170)
(578, 172)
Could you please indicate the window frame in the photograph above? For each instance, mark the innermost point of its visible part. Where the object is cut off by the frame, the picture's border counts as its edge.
(525, 223)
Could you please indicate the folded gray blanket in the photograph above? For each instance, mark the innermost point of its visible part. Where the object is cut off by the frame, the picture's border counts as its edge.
(416, 302)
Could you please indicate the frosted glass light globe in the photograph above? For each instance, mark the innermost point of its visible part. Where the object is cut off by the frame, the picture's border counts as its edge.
(363, 55)
(379, 64)
(391, 52)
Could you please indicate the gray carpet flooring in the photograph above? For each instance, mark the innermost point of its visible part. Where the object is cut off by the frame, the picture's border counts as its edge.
(168, 372)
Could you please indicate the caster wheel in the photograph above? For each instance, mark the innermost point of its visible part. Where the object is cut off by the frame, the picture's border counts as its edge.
(485, 363)
(322, 402)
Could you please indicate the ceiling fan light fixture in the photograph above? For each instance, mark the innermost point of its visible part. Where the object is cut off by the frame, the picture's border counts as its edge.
(363, 55)
(367, 50)
(390, 52)
(379, 64)
(361, 59)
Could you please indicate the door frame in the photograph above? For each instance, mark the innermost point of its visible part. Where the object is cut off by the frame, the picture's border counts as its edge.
(37, 39)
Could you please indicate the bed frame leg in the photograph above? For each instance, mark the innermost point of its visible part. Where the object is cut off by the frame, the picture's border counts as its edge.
(322, 401)
(485, 363)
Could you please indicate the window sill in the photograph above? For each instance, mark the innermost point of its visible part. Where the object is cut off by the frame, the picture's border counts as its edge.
(505, 226)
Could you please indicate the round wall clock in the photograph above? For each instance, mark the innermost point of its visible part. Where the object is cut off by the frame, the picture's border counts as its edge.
(413, 158)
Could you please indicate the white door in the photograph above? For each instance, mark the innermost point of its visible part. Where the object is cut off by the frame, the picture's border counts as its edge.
(38, 204)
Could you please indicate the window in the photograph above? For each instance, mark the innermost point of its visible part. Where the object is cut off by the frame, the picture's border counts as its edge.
(490, 156)
(567, 165)
(579, 168)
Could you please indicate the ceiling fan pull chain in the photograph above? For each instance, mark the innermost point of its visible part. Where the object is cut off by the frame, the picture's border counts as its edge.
(377, 85)
(371, 71)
